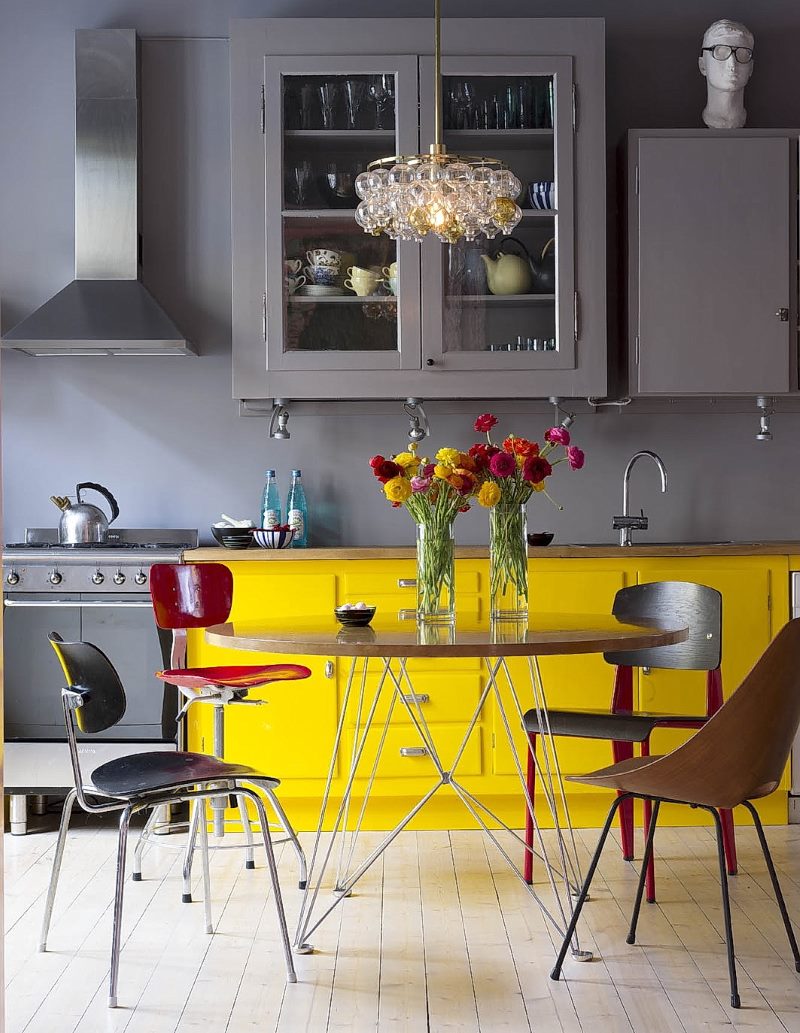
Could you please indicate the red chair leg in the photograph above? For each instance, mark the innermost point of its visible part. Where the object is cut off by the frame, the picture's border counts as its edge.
(650, 877)
(622, 702)
(527, 867)
(714, 701)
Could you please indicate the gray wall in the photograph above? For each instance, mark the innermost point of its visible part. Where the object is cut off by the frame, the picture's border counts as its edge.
(165, 435)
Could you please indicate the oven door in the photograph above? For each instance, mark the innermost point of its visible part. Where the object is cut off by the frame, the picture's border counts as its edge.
(122, 626)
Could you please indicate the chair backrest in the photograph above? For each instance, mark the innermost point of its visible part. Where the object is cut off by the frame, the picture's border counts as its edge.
(190, 595)
(91, 674)
(742, 750)
(673, 604)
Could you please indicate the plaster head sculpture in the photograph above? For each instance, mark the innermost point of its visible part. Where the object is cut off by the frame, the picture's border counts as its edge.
(726, 60)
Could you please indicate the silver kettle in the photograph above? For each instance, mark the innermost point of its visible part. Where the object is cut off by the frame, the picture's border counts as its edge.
(82, 523)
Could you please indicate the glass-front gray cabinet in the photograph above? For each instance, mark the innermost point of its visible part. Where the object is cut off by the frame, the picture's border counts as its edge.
(713, 266)
(322, 309)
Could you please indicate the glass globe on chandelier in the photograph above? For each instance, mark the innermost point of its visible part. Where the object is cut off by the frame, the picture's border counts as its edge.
(450, 195)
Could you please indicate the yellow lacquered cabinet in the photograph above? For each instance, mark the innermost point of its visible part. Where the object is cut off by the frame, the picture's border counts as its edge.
(291, 736)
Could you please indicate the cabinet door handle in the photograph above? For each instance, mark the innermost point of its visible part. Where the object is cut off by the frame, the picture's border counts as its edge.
(417, 697)
(406, 582)
(783, 315)
(413, 751)
(329, 668)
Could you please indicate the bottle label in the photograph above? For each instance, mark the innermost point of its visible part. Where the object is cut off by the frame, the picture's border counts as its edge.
(295, 521)
(271, 518)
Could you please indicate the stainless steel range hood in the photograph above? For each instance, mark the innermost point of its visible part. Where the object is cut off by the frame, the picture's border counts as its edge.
(106, 310)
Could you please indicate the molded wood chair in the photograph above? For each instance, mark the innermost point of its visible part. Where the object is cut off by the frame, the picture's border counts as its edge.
(737, 756)
(198, 595)
(95, 699)
(666, 603)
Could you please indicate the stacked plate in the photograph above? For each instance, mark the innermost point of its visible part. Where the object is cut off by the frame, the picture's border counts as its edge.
(314, 290)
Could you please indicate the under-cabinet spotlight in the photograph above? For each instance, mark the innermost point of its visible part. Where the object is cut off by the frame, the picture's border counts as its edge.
(562, 417)
(417, 420)
(279, 420)
(765, 410)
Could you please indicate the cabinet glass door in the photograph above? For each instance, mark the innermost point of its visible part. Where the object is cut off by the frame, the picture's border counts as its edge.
(333, 292)
(506, 303)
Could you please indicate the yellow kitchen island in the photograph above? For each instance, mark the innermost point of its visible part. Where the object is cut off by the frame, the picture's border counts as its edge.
(292, 736)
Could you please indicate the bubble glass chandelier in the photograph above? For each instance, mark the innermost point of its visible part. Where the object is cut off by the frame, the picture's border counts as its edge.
(452, 196)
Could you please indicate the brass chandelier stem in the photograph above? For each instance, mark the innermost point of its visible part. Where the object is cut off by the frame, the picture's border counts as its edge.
(437, 86)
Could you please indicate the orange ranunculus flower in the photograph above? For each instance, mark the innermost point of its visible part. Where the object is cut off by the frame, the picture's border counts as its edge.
(520, 446)
(456, 480)
(466, 462)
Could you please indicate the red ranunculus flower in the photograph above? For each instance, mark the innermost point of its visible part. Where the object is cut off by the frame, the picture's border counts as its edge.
(557, 436)
(396, 505)
(386, 470)
(535, 469)
(485, 422)
(575, 457)
(427, 470)
(502, 464)
(376, 461)
(463, 509)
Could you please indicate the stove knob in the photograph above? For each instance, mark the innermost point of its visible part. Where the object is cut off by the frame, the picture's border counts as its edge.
(98, 577)
(54, 577)
(12, 578)
(140, 577)
(119, 578)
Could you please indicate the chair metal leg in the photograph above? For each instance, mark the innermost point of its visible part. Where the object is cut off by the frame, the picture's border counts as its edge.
(726, 908)
(585, 888)
(290, 832)
(198, 811)
(643, 874)
(729, 840)
(276, 887)
(624, 751)
(203, 833)
(116, 935)
(647, 814)
(56, 869)
(249, 860)
(530, 778)
(218, 803)
(141, 843)
(775, 884)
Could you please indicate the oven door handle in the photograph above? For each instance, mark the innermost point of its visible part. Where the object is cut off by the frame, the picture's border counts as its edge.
(77, 604)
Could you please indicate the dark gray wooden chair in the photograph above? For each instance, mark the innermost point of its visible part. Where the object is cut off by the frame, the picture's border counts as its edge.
(666, 604)
(94, 699)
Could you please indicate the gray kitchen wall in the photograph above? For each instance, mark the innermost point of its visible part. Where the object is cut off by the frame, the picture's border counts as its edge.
(165, 435)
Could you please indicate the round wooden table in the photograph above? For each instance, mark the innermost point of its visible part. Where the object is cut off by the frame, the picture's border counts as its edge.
(389, 642)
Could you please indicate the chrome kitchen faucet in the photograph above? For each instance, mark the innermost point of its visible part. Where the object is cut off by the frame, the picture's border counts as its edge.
(626, 523)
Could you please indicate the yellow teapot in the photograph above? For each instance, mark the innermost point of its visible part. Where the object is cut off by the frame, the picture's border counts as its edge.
(508, 273)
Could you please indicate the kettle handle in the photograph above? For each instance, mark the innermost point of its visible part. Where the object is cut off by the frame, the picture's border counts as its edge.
(104, 492)
(516, 240)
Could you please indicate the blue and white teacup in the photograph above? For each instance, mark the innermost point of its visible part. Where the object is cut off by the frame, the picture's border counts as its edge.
(322, 275)
(542, 195)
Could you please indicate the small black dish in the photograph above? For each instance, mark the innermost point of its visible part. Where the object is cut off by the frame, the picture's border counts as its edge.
(233, 537)
(354, 618)
(540, 538)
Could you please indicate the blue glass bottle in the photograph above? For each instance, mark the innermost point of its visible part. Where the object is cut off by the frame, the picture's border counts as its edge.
(270, 502)
(297, 512)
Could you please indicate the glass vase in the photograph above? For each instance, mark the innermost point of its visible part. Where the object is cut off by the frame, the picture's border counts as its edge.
(436, 601)
(508, 562)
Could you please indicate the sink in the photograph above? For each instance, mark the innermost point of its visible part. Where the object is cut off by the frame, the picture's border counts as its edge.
(657, 545)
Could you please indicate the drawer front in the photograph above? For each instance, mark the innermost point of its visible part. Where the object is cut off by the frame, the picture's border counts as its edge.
(401, 757)
(444, 696)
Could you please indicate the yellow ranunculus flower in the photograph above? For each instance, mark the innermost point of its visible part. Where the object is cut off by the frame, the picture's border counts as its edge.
(539, 486)
(519, 459)
(489, 495)
(448, 455)
(442, 471)
(406, 459)
(397, 489)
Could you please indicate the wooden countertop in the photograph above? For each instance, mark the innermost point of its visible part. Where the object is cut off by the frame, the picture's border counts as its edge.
(479, 552)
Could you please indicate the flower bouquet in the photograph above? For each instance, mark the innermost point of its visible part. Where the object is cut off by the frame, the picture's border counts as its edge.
(434, 493)
(508, 475)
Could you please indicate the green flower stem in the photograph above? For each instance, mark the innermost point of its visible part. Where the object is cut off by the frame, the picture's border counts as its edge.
(509, 556)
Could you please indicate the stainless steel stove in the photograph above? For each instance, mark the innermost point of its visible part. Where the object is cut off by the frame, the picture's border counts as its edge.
(99, 594)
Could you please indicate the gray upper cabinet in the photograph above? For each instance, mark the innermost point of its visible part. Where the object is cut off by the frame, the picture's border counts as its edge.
(312, 103)
(713, 262)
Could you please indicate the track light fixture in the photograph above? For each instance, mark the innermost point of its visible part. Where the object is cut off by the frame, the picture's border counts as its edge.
(766, 410)
(417, 420)
(279, 420)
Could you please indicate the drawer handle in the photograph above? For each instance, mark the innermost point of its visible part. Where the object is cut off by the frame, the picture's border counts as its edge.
(413, 751)
(406, 582)
(406, 615)
(329, 668)
(416, 697)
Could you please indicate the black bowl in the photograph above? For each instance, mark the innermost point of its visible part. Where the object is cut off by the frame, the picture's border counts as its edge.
(233, 537)
(540, 538)
(354, 618)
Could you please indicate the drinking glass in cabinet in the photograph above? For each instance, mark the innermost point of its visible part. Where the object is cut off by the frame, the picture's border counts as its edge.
(355, 92)
(381, 90)
(299, 184)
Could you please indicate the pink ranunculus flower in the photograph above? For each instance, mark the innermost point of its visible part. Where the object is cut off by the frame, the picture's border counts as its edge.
(557, 436)
(420, 484)
(575, 457)
(502, 464)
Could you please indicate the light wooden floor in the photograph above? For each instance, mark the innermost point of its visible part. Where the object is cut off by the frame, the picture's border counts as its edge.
(439, 936)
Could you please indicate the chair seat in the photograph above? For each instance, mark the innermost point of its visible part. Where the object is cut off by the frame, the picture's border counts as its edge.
(141, 773)
(600, 724)
(233, 677)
